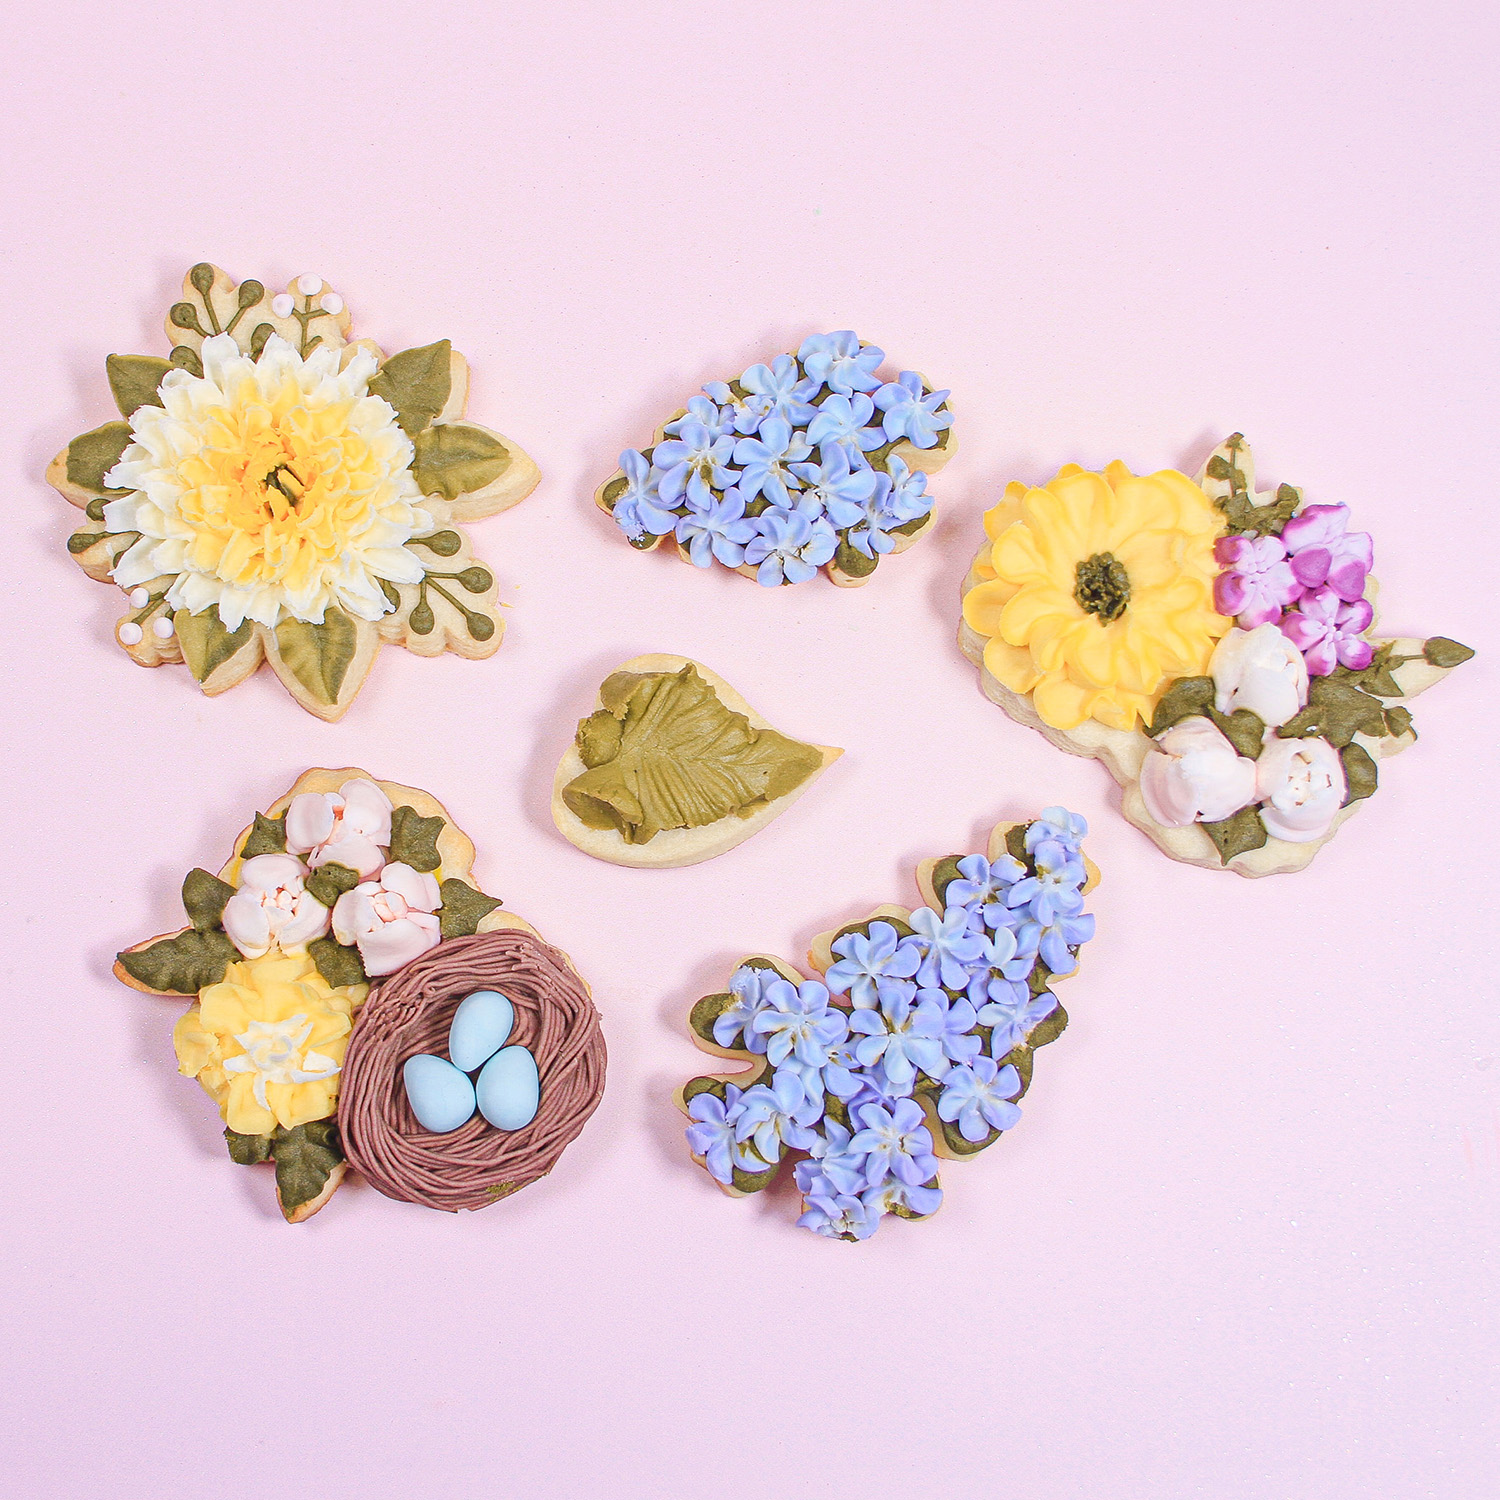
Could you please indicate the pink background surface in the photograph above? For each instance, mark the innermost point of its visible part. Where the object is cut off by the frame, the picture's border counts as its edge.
(1241, 1244)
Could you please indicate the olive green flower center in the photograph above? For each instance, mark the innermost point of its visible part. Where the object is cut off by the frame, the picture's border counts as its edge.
(1103, 586)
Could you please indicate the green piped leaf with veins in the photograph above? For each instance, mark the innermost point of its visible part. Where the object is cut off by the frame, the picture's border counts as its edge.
(318, 656)
(204, 898)
(683, 759)
(1238, 834)
(206, 644)
(456, 458)
(305, 1158)
(266, 836)
(92, 455)
(184, 964)
(414, 839)
(417, 383)
(337, 963)
(134, 380)
(463, 908)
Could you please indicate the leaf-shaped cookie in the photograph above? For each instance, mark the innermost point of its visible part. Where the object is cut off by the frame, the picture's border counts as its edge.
(674, 767)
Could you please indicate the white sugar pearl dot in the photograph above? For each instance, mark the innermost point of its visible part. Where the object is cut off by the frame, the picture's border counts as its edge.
(309, 286)
(161, 627)
(139, 598)
(130, 634)
(282, 305)
(332, 303)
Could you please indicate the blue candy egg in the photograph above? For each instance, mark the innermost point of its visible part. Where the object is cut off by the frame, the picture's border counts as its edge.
(441, 1097)
(509, 1089)
(481, 1027)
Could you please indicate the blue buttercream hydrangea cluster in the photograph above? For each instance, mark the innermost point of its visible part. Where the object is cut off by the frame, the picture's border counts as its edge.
(917, 1040)
(794, 466)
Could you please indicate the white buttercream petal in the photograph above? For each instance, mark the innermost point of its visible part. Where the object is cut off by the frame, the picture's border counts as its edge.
(309, 821)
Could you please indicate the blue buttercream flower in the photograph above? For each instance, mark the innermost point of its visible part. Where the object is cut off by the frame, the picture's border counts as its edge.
(907, 499)
(693, 463)
(1056, 940)
(746, 412)
(978, 1098)
(748, 985)
(909, 414)
(867, 965)
(799, 1024)
(877, 1086)
(840, 1216)
(838, 361)
(842, 421)
(777, 1115)
(1057, 823)
(767, 461)
(982, 882)
(956, 1035)
(639, 509)
(1002, 968)
(842, 491)
(711, 1135)
(718, 530)
(892, 1196)
(830, 1161)
(1015, 1013)
(782, 389)
(870, 533)
(717, 420)
(790, 545)
(896, 1143)
(1055, 890)
(947, 948)
(902, 1034)
(843, 1074)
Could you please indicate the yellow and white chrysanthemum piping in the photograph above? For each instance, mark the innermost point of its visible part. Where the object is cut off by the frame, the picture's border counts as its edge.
(1041, 640)
(271, 488)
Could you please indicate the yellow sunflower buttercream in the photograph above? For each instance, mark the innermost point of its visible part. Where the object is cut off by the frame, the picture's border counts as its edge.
(1097, 591)
(267, 1043)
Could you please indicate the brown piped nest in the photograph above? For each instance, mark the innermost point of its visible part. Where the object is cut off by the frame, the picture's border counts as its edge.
(410, 1012)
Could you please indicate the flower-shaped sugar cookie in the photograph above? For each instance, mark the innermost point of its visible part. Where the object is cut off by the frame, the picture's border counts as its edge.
(1211, 645)
(275, 492)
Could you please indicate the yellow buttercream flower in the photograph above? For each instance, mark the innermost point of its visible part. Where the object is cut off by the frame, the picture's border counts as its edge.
(267, 1043)
(1097, 591)
(270, 488)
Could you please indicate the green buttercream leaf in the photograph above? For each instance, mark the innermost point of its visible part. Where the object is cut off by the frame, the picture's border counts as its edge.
(247, 1150)
(182, 965)
(204, 898)
(598, 738)
(944, 873)
(748, 1182)
(414, 839)
(133, 380)
(850, 560)
(614, 489)
(1243, 729)
(1398, 720)
(1441, 652)
(695, 1086)
(953, 1139)
(1237, 834)
(328, 882)
(417, 383)
(463, 908)
(1185, 698)
(81, 541)
(1359, 772)
(266, 836)
(684, 759)
(318, 656)
(93, 454)
(708, 1010)
(1015, 843)
(305, 1157)
(206, 644)
(338, 964)
(1336, 710)
(1048, 1029)
(455, 459)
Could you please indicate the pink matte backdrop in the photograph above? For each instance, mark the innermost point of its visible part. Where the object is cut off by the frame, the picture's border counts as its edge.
(1241, 1243)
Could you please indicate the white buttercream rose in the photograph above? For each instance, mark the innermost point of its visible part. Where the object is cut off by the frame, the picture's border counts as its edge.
(390, 919)
(1301, 785)
(1194, 775)
(346, 827)
(1260, 670)
(272, 907)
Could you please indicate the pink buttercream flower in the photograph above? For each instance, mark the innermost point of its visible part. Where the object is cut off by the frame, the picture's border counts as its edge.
(1301, 787)
(1257, 582)
(1323, 553)
(391, 919)
(1194, 775)
(1329, 632)
(272, 907)
(346, 827)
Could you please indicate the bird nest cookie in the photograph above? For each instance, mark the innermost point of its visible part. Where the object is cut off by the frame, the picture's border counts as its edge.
(813, 461)
(674, 767)
(1214, 646)
(322, 950)
(275, 492)
(914, 1044)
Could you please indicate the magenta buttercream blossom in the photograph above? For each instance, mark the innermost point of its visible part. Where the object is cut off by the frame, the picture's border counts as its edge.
(1329, 632)
(1257, 582)
(1322, 552)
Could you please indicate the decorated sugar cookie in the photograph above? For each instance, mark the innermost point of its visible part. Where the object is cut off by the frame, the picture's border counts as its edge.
(674, 767)
(913, 1046)
(815, 460)
(273, 491)
(358, 1001)
(1212, 645)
